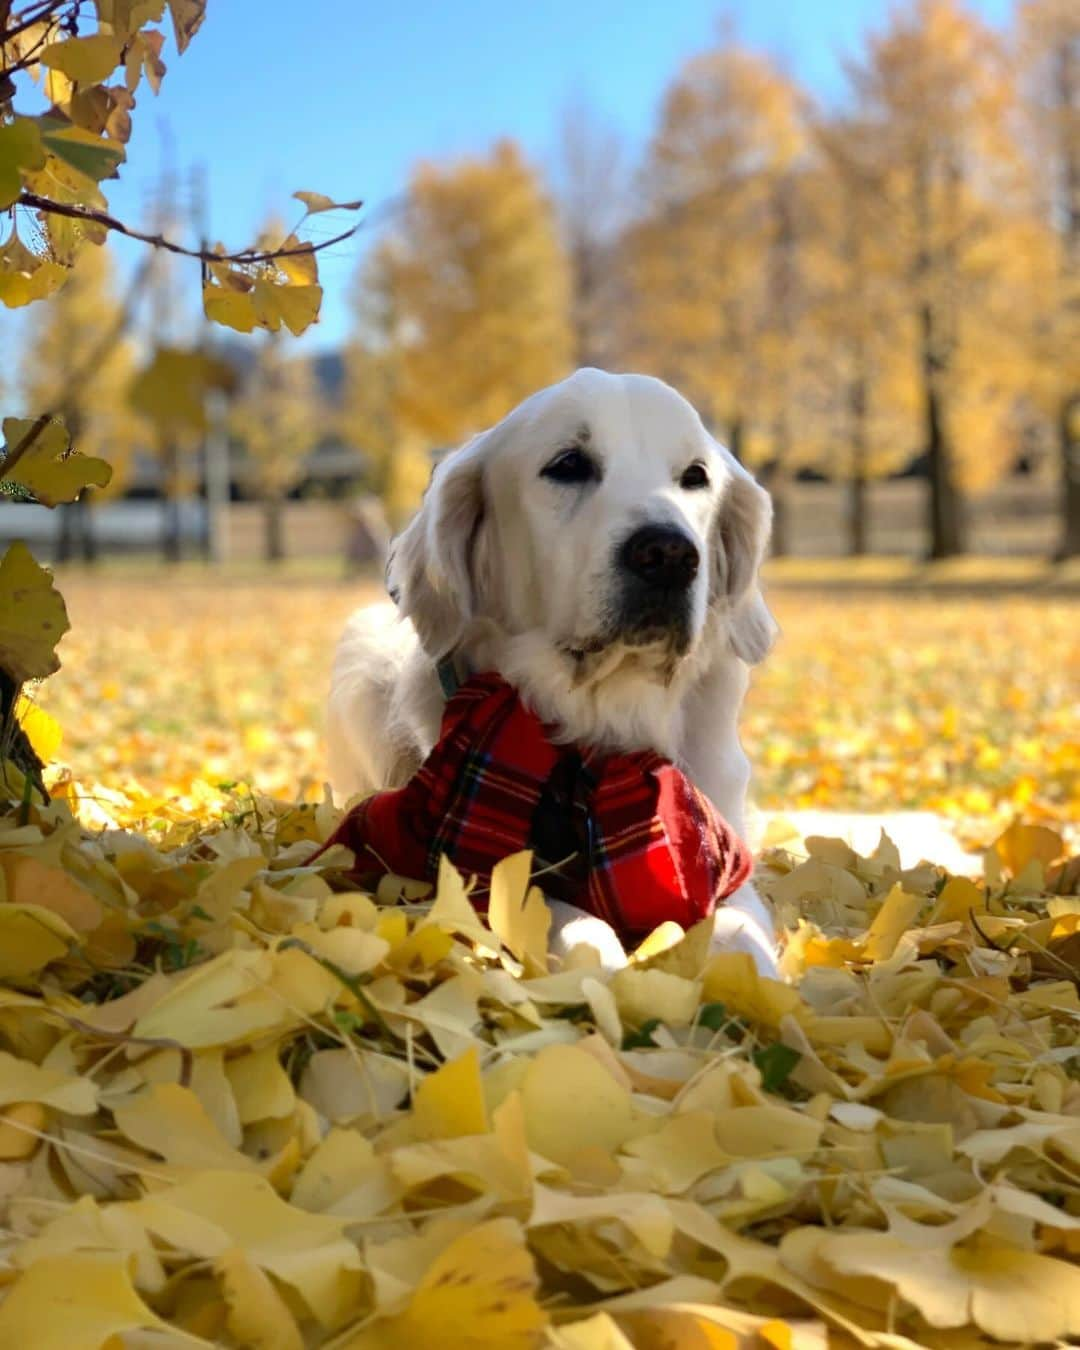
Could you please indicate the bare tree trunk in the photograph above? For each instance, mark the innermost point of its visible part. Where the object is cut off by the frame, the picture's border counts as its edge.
(65, 533)
(1069, 410)
(273, 530)
(779, 480)
(857, 497)
(75, 531)
(171, 543)
(945, 511)
(781, 532)
(89, 542)
(14, 743)
(735, 438)
(1069, 445)
(945, 515)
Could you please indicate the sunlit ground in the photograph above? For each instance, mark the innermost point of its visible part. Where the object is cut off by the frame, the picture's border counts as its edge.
(968, 707)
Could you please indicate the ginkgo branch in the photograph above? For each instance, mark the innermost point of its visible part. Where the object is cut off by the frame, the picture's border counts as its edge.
(244, 258)
(30, 17)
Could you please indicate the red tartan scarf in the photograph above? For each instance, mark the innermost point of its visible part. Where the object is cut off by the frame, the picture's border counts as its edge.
(625, 837)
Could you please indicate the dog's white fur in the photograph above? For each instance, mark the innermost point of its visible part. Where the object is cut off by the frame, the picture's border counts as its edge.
(517, 574)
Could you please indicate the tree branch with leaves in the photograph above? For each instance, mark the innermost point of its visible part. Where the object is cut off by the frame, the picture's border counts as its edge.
(92, 63)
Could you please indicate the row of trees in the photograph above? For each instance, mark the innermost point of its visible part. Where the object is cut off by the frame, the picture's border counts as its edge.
(839, 290)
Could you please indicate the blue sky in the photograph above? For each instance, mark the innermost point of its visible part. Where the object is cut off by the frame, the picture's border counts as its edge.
(343, 96)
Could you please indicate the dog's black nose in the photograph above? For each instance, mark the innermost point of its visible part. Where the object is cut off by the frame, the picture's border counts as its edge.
(662, 556)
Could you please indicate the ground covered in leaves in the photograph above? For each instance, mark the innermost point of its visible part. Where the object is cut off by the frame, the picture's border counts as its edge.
(242, 1105)
(963, 706)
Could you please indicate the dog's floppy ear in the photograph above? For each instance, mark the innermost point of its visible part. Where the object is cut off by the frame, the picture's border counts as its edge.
(741, 538)
(432, 572)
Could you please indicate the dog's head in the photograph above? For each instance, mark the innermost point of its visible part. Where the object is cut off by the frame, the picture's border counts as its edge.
(600, 515)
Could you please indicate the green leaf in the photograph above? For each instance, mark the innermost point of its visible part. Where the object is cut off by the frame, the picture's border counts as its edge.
(49, 468)
(81, 150)
(33, 618)
(714, 1016)
(642, 1038)
(20, 148)
(775, 1064)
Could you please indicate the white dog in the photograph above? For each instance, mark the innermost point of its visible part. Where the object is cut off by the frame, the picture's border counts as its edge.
(600, 551)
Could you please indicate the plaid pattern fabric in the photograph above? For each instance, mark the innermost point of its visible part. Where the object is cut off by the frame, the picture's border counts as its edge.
(625, 837)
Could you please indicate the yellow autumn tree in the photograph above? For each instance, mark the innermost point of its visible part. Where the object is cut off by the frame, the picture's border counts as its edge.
(936, 95)
(863, 418)
(592, 186)
(396, 458)
(476, 294)
(1049, 62)
(275, 420)
(716, 259)
(84, 327)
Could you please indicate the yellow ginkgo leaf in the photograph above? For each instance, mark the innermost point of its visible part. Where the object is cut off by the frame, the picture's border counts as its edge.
(86, 60)
(642, 994)
(450, 1101)
(30, 881)
(480, 1290)
(518, 914)
(732, 978)
(260, 1085)
(23, 1081)
(30, 938)
(298, 261)
(572, 1104)
(1009, 1293)
(48, 466)
(1021, 844)
(22, 1127)
(959, 897)
(80, 1301)
(229, 307)
(294, 305)
(170, 1122)
(599, 1332)
(319, 201)
(893, 919)
(217, 1211)
(258, 1316)
(42, 730)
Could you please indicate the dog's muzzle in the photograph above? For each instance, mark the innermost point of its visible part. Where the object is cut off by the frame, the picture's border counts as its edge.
(657, 566)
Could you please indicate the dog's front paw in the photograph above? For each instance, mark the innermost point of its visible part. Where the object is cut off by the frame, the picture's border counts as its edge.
(744, 924)
(572, 927)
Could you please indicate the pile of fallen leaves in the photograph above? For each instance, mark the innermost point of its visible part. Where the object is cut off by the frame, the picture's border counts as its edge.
(962, 706)
(242, 1105)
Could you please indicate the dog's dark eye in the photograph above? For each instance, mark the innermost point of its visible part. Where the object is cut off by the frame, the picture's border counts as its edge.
(571, 466)
(696, 476)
